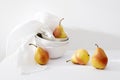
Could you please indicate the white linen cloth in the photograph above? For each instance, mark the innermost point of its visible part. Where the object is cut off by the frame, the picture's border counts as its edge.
(18, 43)
(19, 33)
(20, 37)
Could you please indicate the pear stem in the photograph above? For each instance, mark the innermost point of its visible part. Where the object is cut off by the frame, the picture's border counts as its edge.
(61, 21)
(97, 45)
(68, 60)
(33, 45)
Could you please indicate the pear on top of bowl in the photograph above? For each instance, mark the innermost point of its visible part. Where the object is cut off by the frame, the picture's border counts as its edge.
(57, 34)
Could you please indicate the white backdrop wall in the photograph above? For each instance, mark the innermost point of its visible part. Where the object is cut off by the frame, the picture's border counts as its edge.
(92, 15)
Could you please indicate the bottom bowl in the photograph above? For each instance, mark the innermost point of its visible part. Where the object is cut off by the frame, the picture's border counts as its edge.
(56, 52)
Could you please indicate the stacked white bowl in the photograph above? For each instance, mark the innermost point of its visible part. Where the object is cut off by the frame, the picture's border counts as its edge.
(56, 48)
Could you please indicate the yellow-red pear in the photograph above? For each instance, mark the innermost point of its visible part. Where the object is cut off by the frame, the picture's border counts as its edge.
(59, 31)
(41, 56)
(99, 59)
(81, 56)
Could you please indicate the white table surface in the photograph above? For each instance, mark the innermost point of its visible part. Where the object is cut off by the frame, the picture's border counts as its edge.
(58, 69)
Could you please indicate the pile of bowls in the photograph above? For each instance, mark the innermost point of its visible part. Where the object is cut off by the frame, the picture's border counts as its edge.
(56, 47)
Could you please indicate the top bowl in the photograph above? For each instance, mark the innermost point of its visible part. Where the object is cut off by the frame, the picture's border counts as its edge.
(41, 41)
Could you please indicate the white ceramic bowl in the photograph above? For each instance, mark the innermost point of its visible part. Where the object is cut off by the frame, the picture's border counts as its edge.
(56, 49)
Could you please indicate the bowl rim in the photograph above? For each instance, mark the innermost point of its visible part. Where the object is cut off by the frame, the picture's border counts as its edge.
(57, 40)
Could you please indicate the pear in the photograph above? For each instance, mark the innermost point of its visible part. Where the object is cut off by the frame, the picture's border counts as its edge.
(59, 31)
(81, 56)
(99, 59)
(41, 56)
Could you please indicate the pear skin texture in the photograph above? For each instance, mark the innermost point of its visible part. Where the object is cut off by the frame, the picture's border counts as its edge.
(59, 32)
(81, 57)
(41, 56)
(99, 59)
(74, 59)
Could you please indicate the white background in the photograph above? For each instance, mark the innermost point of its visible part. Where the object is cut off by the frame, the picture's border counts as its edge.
(89, 21)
